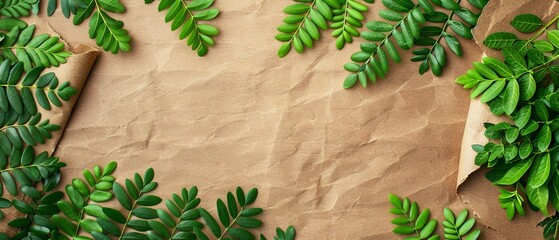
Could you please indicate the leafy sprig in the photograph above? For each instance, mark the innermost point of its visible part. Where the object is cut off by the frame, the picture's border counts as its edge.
(346, 20)
(524, 88)
(409, 29)
(459, 227)
(33, 51)
(308, 17)
(85, 215)
(181, 221)
(550, 227)
(288, 234)
(411, 220)
(16, 8)
(236, 217)
(16, 89)
(512, 201)
(82, 198)
(524, 23)
(30, 132)
(35, 223)
(24, 168)
(187, 15)
(107, 31)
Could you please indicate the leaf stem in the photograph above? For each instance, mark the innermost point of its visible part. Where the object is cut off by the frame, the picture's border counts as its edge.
(20, 86)
(411, 221)
(542, 30)
(388, 36)
(195, 22)
(100, 12)
(443, 32)
(346, 13)
(23, 167)
(305, 18)
(231, 224)
(129, 216)
(82, 212)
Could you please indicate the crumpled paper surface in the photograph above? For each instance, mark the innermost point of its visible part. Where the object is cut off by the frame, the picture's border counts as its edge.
(323, 158)
(75, 71)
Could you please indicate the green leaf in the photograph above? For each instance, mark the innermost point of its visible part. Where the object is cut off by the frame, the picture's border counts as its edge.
(511, 96)
(516, 172)
(526, 23)
(210, 222)
(500, 40)
(538, 197)
(493, 91)
(543, 139)
(553, 37)
(539, 171)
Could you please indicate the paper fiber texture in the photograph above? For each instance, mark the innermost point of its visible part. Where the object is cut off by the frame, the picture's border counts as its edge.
(74, 71)
(323, 158)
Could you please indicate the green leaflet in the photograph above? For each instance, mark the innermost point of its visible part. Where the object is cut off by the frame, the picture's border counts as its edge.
(500, 40)
(515, 173)
(538, 197)
(408, 30)
(410, 220)
(526, 23)
(288, 234)
(107, 31)
(186, 16)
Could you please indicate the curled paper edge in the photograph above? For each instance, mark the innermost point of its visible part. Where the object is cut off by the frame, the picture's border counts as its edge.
(76, 70)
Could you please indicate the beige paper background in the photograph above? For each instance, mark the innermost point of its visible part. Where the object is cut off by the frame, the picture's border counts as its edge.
(323, 158)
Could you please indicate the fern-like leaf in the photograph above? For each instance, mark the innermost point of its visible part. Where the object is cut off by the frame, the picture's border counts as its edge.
(288, 234)
(187, 15)
(36, 222)
(34, 51)
(107, 31)
(433, 55)
(23, 168)
(346, 20)
(409, 29)
(179, 219)
(138, 203)
(80, 211)
(16, 92)
(30, 131)
(16, 8)
(550, 227)
(459, 227)
(235, 217)
(512, 201)
(410, 220)
(302, 27)
(372, 61)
